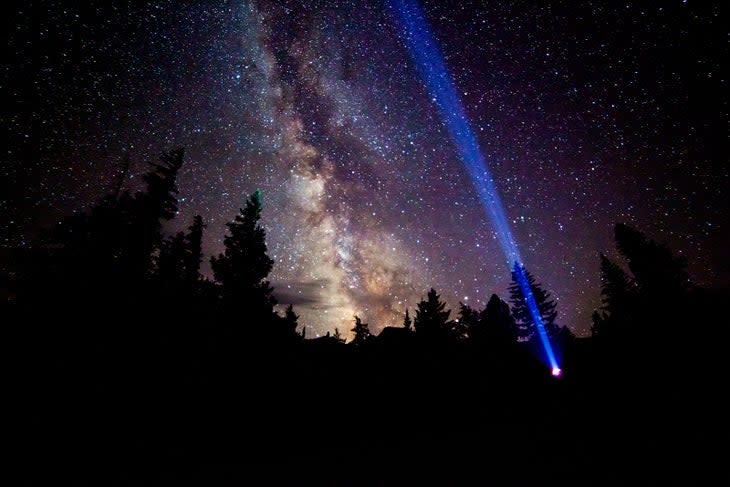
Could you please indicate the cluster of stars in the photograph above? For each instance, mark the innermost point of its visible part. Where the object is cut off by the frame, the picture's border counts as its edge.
(589, 114)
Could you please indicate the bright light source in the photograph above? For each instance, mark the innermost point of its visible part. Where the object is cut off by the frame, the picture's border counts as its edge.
(557, 371)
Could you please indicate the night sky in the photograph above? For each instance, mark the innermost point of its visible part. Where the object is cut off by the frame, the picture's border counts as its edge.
(587, 115)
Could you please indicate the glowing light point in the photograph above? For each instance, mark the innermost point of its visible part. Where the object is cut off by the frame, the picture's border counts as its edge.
(557, 371)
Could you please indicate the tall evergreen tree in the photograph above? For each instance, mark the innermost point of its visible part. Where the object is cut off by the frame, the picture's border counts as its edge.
(432, 319)
(657, 273)
(194, 250)
(160, 200)
(407, 322)
(337, 336)
(171, 259)
(178, 262)
(113, 245)
(361, 331)
(468, 319)
(291, 320)
(657, 294)
(520, 311)
(283, 329)
(150, 208)
(244, 265)
(618, 299)
(496, 324)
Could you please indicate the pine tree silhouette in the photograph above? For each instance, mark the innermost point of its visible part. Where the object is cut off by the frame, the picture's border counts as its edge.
(658, 275)
(496, 324)
(244, 265)
(160, 199)
(618, 300)
(407, 322)
(111, 248)
(468, 319)
(171, 260)
(361, 331)
(194, 250)
(288, 326)
(179, 258)
(337, 336)
(151, 207)
(520, 311)
(432, 319)
(657, 297)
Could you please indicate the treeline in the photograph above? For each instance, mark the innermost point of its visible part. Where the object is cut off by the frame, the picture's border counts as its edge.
(117, 254)
(123, 349)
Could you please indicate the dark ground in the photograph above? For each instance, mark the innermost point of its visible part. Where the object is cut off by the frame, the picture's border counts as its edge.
(109, 411)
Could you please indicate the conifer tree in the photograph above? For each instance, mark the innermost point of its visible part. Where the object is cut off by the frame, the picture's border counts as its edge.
(150, 207)
(171, 259)
(337, 336)
(194, 250)
(178, 262)
(521, 312)
(656, 294)
(244, 265)
(290, 322)
(657, 273)
(407, 322)
(618, 299)
(432, 319)
(113, 245)
(361, 331)
(468, 319)
(496, 324)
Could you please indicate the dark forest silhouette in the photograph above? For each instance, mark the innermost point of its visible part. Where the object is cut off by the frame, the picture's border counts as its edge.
(125, 353)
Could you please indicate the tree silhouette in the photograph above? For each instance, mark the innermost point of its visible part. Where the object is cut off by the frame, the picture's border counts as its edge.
(171, 259)
(244, 265)
(521, 312)
(658, 275)
(151, 207)
(194, 250)
(361, 331)
(89, 247)
(179, 258)
(290, 316)
(288, 324)
(618, 300)
(160, 200)
(496, 324)
(468, 319)
(337, 336)
(658, 293)
(112, 246)
(432, 319)
(407, 322)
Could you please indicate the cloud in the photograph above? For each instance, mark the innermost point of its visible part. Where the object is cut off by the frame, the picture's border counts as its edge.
(301, 293)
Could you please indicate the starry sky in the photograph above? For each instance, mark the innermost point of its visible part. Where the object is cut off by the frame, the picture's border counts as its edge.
(587, 115)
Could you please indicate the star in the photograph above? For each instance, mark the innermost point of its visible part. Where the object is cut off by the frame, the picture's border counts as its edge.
(588, 116)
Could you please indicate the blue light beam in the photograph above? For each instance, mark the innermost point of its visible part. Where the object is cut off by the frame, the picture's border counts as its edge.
(430, 64)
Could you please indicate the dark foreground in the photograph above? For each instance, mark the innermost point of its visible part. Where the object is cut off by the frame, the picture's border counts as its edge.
(110, 411)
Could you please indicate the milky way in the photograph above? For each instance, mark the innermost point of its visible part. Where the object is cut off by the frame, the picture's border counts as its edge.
(589, 115)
